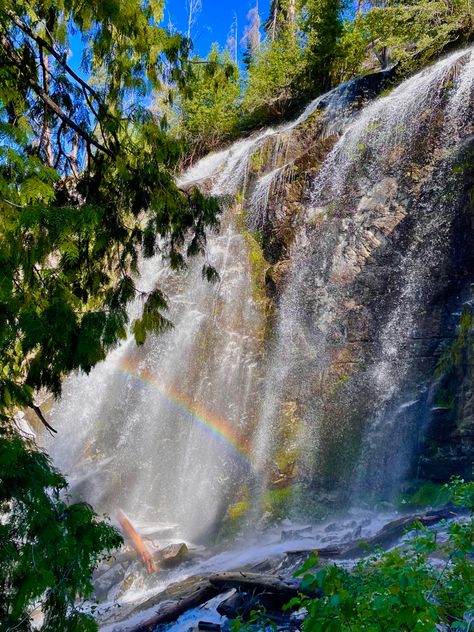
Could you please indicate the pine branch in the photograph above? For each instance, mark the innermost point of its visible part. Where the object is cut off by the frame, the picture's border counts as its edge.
(43, 43)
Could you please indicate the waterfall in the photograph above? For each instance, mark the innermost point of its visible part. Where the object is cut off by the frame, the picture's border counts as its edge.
(171, 432)
(388, 180)
(160, 430)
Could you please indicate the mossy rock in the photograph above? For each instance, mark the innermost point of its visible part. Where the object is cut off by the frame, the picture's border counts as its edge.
(424, 494)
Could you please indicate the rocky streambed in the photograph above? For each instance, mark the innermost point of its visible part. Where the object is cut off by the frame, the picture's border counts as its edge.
(204, 589)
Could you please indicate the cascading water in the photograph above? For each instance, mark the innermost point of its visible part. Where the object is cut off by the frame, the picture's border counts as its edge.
(159, 431)
(390, 173)
(171, 432)
(163, 431)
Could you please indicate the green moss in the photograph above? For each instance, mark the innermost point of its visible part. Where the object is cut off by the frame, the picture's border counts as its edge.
(278, 501)
(238, 510)
(425, 494)
(287, 436)
(260, 158)
(258, 264)
(335, 387)
(295, 501)
(451, 358)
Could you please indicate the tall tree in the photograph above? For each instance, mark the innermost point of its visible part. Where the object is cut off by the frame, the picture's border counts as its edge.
(322, 26)
(252, 37)
(86, 187)
(208, 109)
(233, 39)
(282, 13)
(194, 8)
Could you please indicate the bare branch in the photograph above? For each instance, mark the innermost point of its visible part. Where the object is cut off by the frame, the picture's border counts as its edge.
(39, 414)
(43, 43)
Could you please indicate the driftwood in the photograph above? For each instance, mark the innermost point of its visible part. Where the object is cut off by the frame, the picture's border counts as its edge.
(260, 591)
(241, 604)
(170, 610)
(137, 542)
(257, 583)
(270, 590)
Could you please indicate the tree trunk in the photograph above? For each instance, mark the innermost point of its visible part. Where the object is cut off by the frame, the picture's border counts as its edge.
(45, 141)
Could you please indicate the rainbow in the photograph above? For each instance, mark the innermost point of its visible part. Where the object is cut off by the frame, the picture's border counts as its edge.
(218, 427)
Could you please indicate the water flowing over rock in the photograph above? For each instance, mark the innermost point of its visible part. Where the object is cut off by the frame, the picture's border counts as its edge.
(376, 267)
(317, 370)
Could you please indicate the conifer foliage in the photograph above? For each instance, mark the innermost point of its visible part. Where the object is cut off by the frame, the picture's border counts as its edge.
(86, 188)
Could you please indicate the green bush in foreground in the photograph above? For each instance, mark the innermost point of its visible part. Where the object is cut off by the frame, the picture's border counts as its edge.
(403, 589)
(48, 549)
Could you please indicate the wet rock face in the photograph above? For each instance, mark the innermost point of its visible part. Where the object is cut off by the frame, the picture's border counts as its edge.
(371, 245)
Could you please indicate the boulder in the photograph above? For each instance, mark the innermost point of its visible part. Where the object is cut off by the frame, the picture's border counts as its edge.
(104, 582)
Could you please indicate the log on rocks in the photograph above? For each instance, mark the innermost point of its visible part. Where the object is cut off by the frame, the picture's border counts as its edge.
(137, 542)
(171, 610)
(394, 530)
(256, 583)
(385, 538)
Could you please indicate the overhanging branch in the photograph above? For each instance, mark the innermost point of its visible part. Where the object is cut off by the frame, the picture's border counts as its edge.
(16, 60)
(41, 417)
(42, 42)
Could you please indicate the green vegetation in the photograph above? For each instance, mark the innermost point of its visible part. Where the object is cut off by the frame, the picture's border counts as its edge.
(208, 106)
(401, 590)
(312, 45)
(86, 187)
(49, 548)
(425, 494)
(452, 356)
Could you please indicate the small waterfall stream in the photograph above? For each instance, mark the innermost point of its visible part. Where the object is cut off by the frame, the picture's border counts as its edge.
(173, 431)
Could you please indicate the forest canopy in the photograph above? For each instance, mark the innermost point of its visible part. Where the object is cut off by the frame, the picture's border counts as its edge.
(309, 46)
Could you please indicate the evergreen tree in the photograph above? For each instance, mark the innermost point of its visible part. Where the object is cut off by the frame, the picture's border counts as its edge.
(252, 36)
(209, 107)
(322, 26)
(271, 85)
(296, 60)
(86, 185)
(282, 12)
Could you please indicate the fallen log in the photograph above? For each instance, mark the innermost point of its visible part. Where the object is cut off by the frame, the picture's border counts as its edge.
(269, 589)
(394, 530)
(137, 542)
(171, 610)
(259, 584)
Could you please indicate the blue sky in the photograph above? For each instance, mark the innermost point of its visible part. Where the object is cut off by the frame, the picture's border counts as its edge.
(214, 22)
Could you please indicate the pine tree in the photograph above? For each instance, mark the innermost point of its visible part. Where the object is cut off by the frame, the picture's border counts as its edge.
(282, 13)
(208, 108)
(86, 186)
(322, 26)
